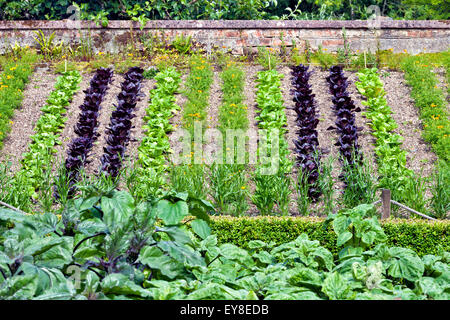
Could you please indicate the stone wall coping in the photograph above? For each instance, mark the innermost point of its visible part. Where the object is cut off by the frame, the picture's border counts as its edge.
(229, 24)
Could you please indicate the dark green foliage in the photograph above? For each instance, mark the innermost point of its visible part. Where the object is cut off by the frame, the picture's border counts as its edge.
(420, 236)
(100, 11)
(110, 246)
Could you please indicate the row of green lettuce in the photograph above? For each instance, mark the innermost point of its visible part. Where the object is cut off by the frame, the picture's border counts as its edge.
(13, 79)
(391, 158)
(36, 163)
(430, 99)
(272, 181)
(107, 245)
(155, 144)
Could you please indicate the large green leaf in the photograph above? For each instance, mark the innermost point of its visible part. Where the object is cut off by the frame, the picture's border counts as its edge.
(172, 213)
(57, 256)
(182, 253)
(201, 228)
(176, 234)
(11, 215)
(19, 287)
(233, 252)
(154, 258)
(119, 284)
(432, 288)
(404, 264)
(336, 287)
(117, 210)
(39, 246)
(343, 238)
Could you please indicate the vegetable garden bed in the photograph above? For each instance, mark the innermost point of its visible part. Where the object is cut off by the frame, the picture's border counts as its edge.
(94, 186)
(419, 157)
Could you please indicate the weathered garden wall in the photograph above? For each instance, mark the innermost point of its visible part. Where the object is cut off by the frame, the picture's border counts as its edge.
(243, 36)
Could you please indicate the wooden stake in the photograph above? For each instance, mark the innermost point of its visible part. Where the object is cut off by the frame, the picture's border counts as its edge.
(386, 201)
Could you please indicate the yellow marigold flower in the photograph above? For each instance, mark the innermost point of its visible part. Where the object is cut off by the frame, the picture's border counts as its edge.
(243, 187)
(440, 127)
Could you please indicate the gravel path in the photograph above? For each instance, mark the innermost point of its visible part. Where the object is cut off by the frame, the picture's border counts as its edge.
(35, 95)
(250, 96)
(176, 120)
(327, 138)
(215, 101)
(73, 112)
(138, 121)
(291, 135)
(405, 113)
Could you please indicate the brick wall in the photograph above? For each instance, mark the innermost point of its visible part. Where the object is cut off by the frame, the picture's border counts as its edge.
(244, 36)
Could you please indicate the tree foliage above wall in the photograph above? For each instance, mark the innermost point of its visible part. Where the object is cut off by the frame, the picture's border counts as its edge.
(224, 9)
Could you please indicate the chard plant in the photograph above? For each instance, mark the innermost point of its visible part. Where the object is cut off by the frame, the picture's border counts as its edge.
(108, 246)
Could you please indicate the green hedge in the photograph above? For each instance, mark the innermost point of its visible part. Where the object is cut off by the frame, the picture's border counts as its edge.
(421, 236)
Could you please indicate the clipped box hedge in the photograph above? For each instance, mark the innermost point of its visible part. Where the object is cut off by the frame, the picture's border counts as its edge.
(424, 237)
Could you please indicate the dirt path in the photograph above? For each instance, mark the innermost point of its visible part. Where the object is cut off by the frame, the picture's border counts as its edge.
(291, 135)
(25, 118)
(251, 74)
(291, 116)
(176, 120)
(365, 139)
(73, 112)
(215, 101)
(250, 94)
(138, 121)
(406, 115)
(327, 138)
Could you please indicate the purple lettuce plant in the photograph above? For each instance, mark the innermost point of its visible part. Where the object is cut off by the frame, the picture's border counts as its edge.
(344, 109)
(86, 127)
(118, 131)
(307, 145)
